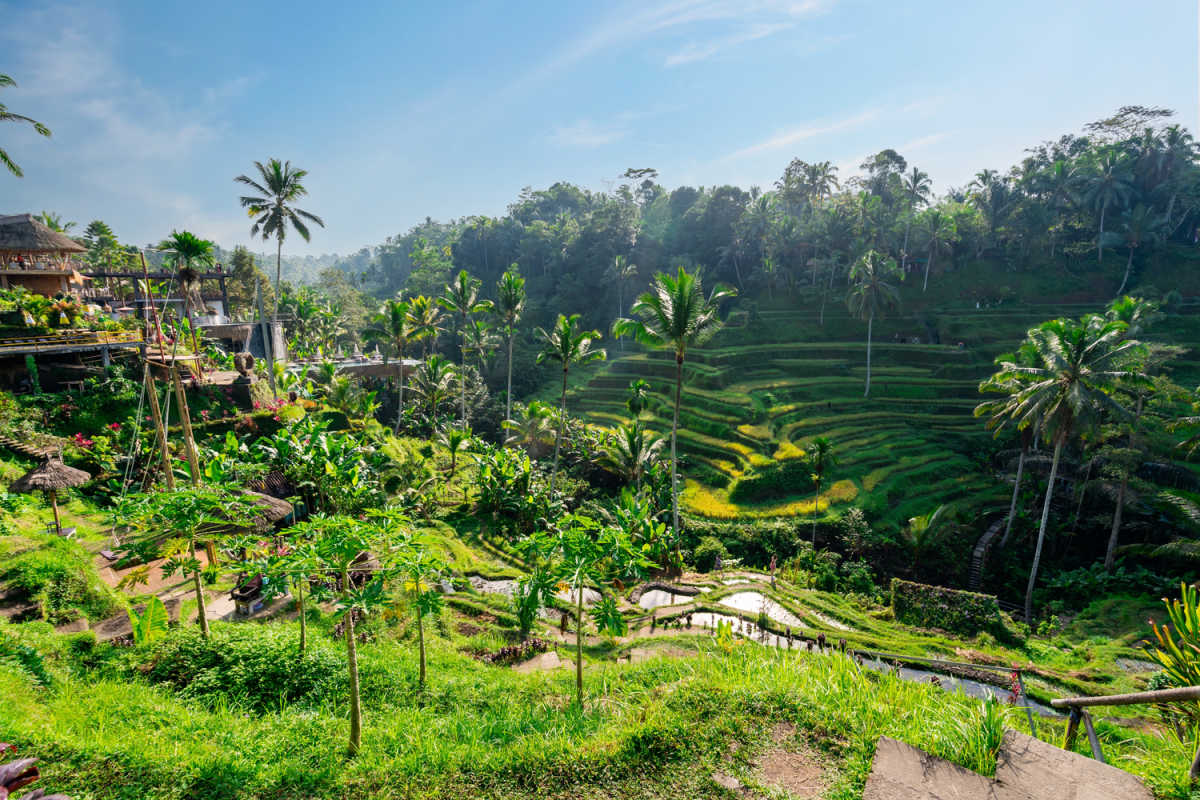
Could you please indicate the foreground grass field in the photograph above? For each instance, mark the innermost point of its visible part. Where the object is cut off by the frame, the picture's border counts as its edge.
(658, 728)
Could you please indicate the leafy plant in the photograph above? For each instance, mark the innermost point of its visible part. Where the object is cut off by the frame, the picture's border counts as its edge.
(151, 624)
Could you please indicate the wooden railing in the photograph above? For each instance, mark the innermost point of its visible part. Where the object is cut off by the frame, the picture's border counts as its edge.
(51, 341)
(1078, 709)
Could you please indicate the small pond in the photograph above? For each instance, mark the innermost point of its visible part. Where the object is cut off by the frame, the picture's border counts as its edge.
(953, 683)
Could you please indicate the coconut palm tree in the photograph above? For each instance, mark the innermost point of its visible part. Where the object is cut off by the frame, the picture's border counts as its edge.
(455, 440)
(873, 294)
(820, 457)
(461, 297)
(185, 250)
(1077, 365)
(279, 187)
(622, 272)
(638, 398)
(917, 188)
(1108, 187)
(631, 451)
(510, 304)
(675, 315)
(939, 232)
(567, 343)
(393, 327)
(425, 316)
(821, 178)
(55, 222)
(8, 116)
(433, 382)
(1139, 226)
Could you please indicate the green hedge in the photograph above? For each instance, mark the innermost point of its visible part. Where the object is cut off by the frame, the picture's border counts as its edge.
(965, 613)
(781, 479)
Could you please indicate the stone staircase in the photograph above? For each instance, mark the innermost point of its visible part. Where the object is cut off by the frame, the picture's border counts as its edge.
(980, 553)
(1026, 769)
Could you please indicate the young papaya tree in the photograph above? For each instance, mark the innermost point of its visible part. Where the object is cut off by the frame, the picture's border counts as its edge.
(421, 568)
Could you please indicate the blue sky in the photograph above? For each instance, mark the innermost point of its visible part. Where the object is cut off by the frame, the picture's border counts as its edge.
(402, 110)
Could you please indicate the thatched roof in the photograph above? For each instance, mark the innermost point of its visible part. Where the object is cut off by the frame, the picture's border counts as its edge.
(271, 509)
(21, 233)
(53, 474)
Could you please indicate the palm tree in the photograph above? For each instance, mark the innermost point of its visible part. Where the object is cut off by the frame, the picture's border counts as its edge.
(54, 222)
(821, 178)
(567, 344)
(621, 272)
(455, 440)
(481, 339)
(939, 231)
(510, 303)
(638, 399)
(1139, 226)
(273, 210)
(1108, 186)
(433, 382)
(536, 427)
(675, 314)
(925, 532)
(8, 116)
(631, 451)
(184, 250)
(461, 296)
(1077, 365)
(394, 328)
(820, 457)
(425, 317)
(917, 188)
(872, 294)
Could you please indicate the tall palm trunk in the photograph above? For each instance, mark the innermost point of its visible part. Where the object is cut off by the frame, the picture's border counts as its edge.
(928, 264)
(462, 373)
(508, 390)
(870, 324)
(352, 663)
(904, 247)
(1100, 238)
(816, 504)
(579, 646)
(278, 272)
(400, 394)
(562, 422)
(1012, 507)
(300, 608)
(1111, 554)
(1041, 540)
(201, 610)
(674, 456)
(1128, 267)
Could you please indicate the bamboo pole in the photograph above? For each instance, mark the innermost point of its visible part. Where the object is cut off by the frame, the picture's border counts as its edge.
(159, 429)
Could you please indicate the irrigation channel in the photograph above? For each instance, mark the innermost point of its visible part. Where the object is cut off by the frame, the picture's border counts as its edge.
(755, 602)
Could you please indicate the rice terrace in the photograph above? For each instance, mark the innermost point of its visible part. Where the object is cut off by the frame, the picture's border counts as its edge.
(668, 399)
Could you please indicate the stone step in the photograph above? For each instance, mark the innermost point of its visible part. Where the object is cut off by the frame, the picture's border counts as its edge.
(1026, 769)
(1063, 775)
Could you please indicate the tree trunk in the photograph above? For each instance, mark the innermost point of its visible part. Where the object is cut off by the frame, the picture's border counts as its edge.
(421, 647)
(1087, 476)
(462, 376)
(54, 505)
(1128, 267)
(201, 610)
(1037, 553)
(870, 324)
(300, 608)
(400, 393)
(508, 391)
(352, 663)
(1111, 555)
(928, 264)
(816, 504)
(904, 247)
(1100, 238)
(579, 646)
(1012, 507)
(674, 456)
(562, 423)
(278, 272)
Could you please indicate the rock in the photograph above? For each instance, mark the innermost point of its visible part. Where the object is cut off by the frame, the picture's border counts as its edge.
(902, 772)
(727, 781)
(74, 626)
(1052, 772)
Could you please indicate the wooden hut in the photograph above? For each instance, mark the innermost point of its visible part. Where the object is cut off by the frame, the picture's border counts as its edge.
(33, 256)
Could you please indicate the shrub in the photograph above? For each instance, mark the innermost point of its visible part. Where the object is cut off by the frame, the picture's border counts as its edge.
(706, 553)
(62, 580)
(256, 665)
(781, 479)
(965, 613)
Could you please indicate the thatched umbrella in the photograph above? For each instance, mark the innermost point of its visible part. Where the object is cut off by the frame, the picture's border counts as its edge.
(50, 477)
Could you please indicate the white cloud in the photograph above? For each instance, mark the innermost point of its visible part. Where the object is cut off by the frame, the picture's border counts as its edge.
(694, 51)
(586, 133)
(807, 131)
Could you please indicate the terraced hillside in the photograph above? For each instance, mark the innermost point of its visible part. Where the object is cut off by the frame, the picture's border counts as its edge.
(773, 380)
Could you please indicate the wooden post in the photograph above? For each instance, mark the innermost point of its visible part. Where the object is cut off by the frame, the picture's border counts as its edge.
(1028, 708)
(1194, 772)
(1072, 729)
(162, 352)
(159, 428)
(1093, 740)
(189, 445)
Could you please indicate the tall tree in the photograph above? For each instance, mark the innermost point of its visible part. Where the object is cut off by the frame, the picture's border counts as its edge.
(622, 272)
(9, 116)
(938, 230)
(820, 457)
(55, 222)
(567, 343)
(185, 251)
(1140, 227)
(425, 316)
(461, 297)
(917, 188)
(1108, 186)
(510, 304)
(393, 326)
(873, 294)
(674, 314)
(279, 186)
(1077, 366)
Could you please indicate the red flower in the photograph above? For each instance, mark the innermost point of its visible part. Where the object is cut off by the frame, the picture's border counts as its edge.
(114, 426)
